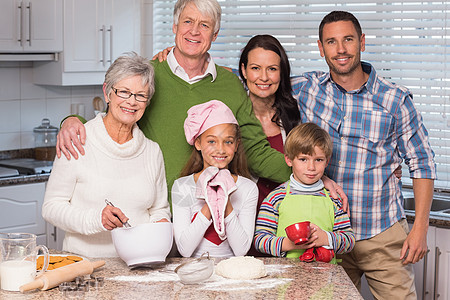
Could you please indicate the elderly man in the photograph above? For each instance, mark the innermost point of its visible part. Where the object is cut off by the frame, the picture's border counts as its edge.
(190, 77)
(375, 126)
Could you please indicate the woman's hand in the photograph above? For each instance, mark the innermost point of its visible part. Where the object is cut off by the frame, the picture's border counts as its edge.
(336, 191)
(398, 172)
(68, 137)
(162, 56)
(113, 217)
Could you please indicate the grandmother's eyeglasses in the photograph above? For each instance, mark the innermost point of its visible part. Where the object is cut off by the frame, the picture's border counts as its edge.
(124, 94)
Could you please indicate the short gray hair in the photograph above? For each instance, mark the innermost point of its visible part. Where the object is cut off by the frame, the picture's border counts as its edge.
(129, 65)
(210, 8)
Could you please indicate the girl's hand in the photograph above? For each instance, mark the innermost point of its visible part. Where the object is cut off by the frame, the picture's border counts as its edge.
(318, 235)
(163, 220)
(206, 212)
(113, 217)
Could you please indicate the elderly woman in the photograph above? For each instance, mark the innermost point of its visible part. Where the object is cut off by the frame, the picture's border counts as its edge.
(120, 165)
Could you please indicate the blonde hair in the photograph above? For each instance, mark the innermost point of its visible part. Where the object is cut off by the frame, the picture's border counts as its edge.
(237, 166)
(304, 137)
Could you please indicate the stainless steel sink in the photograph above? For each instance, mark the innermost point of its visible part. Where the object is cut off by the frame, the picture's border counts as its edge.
(439, 205)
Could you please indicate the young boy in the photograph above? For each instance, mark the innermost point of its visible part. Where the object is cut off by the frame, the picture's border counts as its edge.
(307, 150)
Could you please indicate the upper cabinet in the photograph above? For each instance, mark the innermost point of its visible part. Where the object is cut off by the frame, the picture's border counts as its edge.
(96, 32)
(31, 26)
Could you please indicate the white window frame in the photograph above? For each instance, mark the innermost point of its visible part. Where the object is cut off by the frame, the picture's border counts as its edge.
(408, 42)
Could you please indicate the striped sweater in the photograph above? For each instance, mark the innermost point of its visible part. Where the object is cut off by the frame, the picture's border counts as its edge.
(266, 241)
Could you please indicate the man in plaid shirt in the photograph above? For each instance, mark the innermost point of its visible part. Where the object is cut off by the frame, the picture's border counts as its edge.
(374, 126)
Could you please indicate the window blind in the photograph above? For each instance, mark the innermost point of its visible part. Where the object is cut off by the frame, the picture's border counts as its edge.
(408, 42)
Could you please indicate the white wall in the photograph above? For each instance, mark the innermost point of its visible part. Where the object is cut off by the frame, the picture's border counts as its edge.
(147, 28)
(23, 104)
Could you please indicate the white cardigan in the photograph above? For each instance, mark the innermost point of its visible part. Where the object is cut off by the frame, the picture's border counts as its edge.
(239, 224)
(130, 175)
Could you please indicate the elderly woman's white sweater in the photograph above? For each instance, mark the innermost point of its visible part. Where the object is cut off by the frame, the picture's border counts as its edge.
(130, 175)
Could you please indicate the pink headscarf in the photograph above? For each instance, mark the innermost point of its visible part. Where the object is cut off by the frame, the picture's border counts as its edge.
(203, 116)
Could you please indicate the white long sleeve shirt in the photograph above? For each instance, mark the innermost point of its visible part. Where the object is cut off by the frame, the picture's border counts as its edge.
(239, 224)
(130, 175)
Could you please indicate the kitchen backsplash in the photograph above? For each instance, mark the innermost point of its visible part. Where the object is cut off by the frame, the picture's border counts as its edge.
(23, 105)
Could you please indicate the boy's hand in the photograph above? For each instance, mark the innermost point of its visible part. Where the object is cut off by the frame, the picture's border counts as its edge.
(319, 236)
(289, 245)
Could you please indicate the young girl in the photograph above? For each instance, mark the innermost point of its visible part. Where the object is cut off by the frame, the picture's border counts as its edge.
(214, 205)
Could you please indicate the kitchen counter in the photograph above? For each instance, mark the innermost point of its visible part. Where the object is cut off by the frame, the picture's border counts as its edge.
(287, 279)
(21, 179)
(24, 179)
(435, 220)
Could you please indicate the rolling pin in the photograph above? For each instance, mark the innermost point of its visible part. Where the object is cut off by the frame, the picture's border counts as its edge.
(54, 277)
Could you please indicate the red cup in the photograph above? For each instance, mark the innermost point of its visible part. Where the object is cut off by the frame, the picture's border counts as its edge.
(298, 232)
(323, 254)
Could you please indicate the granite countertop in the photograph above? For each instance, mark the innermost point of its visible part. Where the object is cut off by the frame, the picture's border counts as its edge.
(21, 179)
(437, 220)
(24, 179)
(287, 279)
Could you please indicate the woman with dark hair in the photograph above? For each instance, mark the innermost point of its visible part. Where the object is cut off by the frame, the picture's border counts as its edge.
(264, 68)
(283, 103)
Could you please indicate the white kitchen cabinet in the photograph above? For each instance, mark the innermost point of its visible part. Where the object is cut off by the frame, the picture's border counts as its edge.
(424, 269)
(95, 33)
(55, 237)
(21, 207)
(432, 274)
(442, 265)
(31, 26)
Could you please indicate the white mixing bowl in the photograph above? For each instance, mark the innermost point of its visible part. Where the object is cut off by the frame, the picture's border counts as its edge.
(144, 244)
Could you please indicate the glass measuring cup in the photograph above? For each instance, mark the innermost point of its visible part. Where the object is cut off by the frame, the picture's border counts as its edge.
(18, 259)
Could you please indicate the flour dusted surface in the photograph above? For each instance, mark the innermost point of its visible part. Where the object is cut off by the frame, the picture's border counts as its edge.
(241, 267)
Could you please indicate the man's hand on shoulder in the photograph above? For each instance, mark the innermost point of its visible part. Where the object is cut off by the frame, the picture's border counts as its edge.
(72, 133)
(162, 56)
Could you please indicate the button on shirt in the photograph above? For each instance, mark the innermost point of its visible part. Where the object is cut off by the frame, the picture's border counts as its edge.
(180, 72)
(373, 129)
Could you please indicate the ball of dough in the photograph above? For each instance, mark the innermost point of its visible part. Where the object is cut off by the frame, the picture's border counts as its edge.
(241, 267)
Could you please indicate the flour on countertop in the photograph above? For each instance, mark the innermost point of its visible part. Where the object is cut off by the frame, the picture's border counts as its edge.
(166, 274)
(219, 283)
(216, 282)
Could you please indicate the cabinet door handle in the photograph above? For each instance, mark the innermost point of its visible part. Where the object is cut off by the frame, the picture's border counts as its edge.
(54, 233)
(29, 24)
(110, 44)
(103, 30)
(20, 24)
(436, 272)
(424, 278)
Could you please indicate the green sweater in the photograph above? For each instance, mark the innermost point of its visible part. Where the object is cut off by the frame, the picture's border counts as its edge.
(163, 121)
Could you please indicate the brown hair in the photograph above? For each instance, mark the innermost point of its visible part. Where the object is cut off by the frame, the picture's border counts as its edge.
(237, 166)
(336, 16)
(304, 137)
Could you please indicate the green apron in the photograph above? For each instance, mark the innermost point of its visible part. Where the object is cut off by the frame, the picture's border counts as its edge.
(316, 209)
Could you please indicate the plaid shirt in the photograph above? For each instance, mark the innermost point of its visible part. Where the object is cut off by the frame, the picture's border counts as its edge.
(373, 129)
